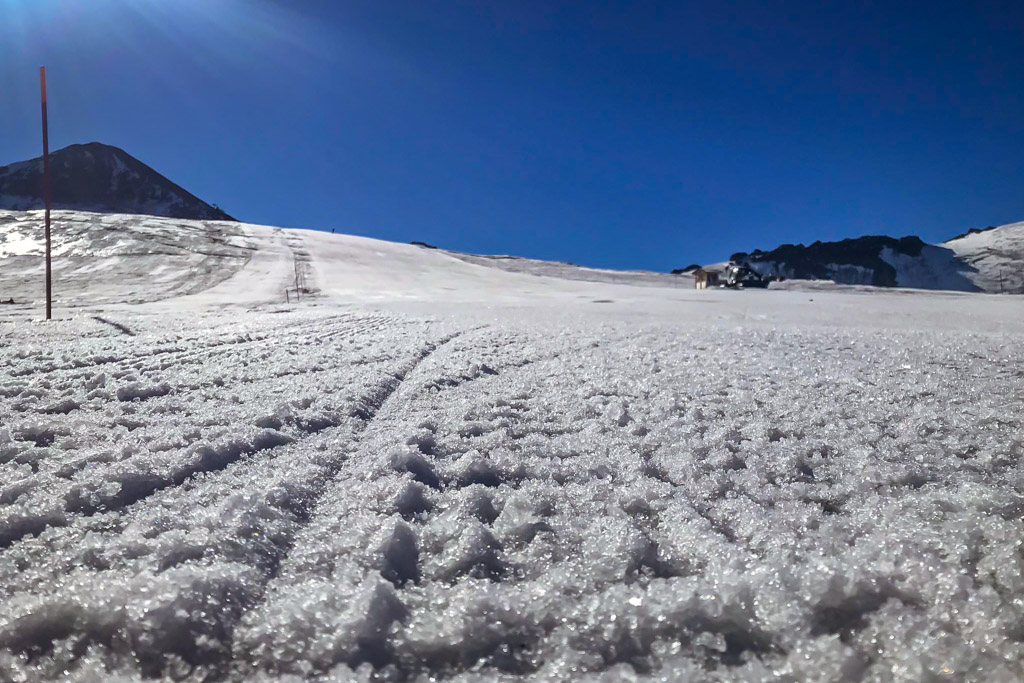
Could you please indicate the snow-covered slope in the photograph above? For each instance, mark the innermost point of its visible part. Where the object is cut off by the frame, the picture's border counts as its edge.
(570, 271)
(431, 469)
(995, 257)
(97, 177)
(105, 258)
(108, 258)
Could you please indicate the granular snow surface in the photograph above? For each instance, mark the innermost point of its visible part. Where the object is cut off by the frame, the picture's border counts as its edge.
(433, 470)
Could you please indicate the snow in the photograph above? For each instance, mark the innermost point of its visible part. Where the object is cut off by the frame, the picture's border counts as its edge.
(568, 271)
(140, 258)
(432, 468)
(17, 244)
(995, 258)
(851, 274)
(933, 268)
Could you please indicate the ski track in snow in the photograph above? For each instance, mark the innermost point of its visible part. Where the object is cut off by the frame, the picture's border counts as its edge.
(536, 489)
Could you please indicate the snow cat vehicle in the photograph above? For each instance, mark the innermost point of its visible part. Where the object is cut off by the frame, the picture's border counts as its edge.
(742, 276)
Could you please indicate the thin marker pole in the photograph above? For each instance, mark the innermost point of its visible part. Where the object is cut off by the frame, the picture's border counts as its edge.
(46, 187)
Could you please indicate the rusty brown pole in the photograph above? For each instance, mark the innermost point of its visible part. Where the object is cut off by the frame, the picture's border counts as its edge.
(46, 186)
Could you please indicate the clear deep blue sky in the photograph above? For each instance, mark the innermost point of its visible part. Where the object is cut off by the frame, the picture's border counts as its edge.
(615, 133)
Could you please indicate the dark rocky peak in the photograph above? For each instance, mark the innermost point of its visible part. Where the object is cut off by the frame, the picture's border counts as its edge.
(98, 177)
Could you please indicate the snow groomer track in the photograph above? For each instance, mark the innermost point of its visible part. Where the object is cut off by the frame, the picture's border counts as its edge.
(645, 484)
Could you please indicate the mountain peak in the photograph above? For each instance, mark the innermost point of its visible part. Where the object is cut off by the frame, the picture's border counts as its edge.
(98, 177)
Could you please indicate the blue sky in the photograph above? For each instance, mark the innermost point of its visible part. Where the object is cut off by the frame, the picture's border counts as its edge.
(622, 134)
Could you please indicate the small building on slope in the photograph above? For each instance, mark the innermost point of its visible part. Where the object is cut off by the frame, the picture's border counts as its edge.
(708, 276)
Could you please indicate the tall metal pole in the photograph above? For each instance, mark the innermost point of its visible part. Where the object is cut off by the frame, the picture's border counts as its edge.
(46, 187)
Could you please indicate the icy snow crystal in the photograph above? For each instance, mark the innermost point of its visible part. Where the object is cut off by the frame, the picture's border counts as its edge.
(725, 487)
